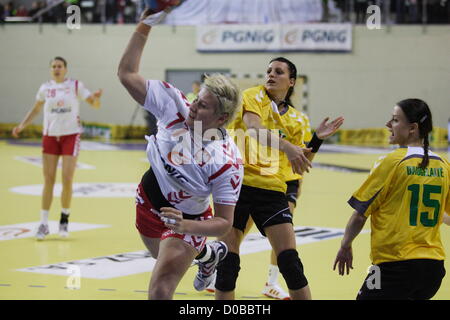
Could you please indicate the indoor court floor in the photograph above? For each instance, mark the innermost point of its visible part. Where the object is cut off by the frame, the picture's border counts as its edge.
(104, 259)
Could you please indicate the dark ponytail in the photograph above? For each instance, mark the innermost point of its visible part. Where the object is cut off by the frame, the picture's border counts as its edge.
(292, 75)
(417, 111)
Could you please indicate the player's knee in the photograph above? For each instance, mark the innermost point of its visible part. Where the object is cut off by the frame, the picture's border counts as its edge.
(291, 268)
(160, 291)
(227, 272)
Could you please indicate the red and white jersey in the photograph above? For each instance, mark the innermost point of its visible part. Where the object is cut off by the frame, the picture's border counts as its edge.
(62, 107)
(188, 169)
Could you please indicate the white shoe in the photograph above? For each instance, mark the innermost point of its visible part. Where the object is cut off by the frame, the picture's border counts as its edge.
(206, 270)
(64, 230)
(212, 286)
(274, 291)
(42, 231)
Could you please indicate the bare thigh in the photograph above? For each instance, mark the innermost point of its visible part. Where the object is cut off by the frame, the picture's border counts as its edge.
(152, 245)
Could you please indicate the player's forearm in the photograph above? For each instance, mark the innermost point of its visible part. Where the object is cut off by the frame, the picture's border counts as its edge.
(131, 58)
(353, 229)
(214, 227)
(31, 115)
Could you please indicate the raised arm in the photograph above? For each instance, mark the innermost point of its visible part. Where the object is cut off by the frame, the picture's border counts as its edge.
(31, 115)
(129, 64)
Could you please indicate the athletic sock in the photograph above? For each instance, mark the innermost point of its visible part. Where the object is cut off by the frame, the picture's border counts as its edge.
(273, 274)
(205, 255)
(64, 215)
(44, 216)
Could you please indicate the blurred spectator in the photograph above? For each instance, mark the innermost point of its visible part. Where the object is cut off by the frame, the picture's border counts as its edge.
(438, 11)
(9, 9)
(22, 12)
(2, 13)
(111, 11)
(128, 11)
(34, 8)
(191, 96)
(407, 11)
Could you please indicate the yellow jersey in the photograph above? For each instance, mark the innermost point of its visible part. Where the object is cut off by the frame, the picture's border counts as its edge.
(262, 164)
(300, 132)
(406, 205)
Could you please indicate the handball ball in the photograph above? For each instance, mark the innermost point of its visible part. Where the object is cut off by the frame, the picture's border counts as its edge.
(159, 5)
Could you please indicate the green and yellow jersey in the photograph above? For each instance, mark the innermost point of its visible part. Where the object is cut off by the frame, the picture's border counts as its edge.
(406, 205)
(262, 164)
(299, 128)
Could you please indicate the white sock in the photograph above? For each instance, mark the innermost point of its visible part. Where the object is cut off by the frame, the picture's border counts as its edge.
(44, 216)
(273, 274)
(65, 211)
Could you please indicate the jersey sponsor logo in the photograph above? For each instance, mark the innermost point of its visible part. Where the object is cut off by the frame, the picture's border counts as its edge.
(28, 229)
(84, 190)
(61, 110)
(173, 172)
(178, 158)
(129, 263)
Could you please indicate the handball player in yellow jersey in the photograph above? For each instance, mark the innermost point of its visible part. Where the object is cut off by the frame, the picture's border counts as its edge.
(266, 148)
(405, 197)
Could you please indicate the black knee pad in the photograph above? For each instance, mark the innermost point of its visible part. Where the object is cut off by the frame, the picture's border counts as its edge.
(227, 272)
(291, 268)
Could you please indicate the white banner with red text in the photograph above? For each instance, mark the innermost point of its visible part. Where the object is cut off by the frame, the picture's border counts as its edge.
(275, 37)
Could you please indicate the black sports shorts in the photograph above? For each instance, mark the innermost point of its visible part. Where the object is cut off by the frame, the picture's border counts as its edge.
(266, 207)
(292, 191)
(416, 279)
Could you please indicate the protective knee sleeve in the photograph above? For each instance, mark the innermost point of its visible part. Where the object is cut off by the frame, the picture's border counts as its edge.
(291, 268)
(227, 272)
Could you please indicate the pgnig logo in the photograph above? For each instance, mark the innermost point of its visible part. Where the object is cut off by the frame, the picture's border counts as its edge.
(248, 36)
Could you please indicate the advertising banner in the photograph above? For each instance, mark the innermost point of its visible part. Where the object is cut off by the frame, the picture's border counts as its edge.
(275, 37)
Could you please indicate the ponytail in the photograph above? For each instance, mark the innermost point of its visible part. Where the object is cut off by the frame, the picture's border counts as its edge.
(417, 111)
(426, 157)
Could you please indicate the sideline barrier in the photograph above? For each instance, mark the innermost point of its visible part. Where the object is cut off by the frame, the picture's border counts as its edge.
(380, 136)
(102, 131)
(91, 130)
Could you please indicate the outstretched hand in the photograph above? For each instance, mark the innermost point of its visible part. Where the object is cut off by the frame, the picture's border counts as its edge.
(16, 131)
(97, 94)
(326, 129)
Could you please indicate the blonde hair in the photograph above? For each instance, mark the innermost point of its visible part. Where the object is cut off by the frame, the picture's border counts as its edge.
(227, 92)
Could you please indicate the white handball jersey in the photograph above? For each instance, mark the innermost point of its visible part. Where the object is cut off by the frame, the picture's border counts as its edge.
(62, 107)
(189, 170)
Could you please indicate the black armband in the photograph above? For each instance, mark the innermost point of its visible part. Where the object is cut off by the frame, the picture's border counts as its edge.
(315, 143)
